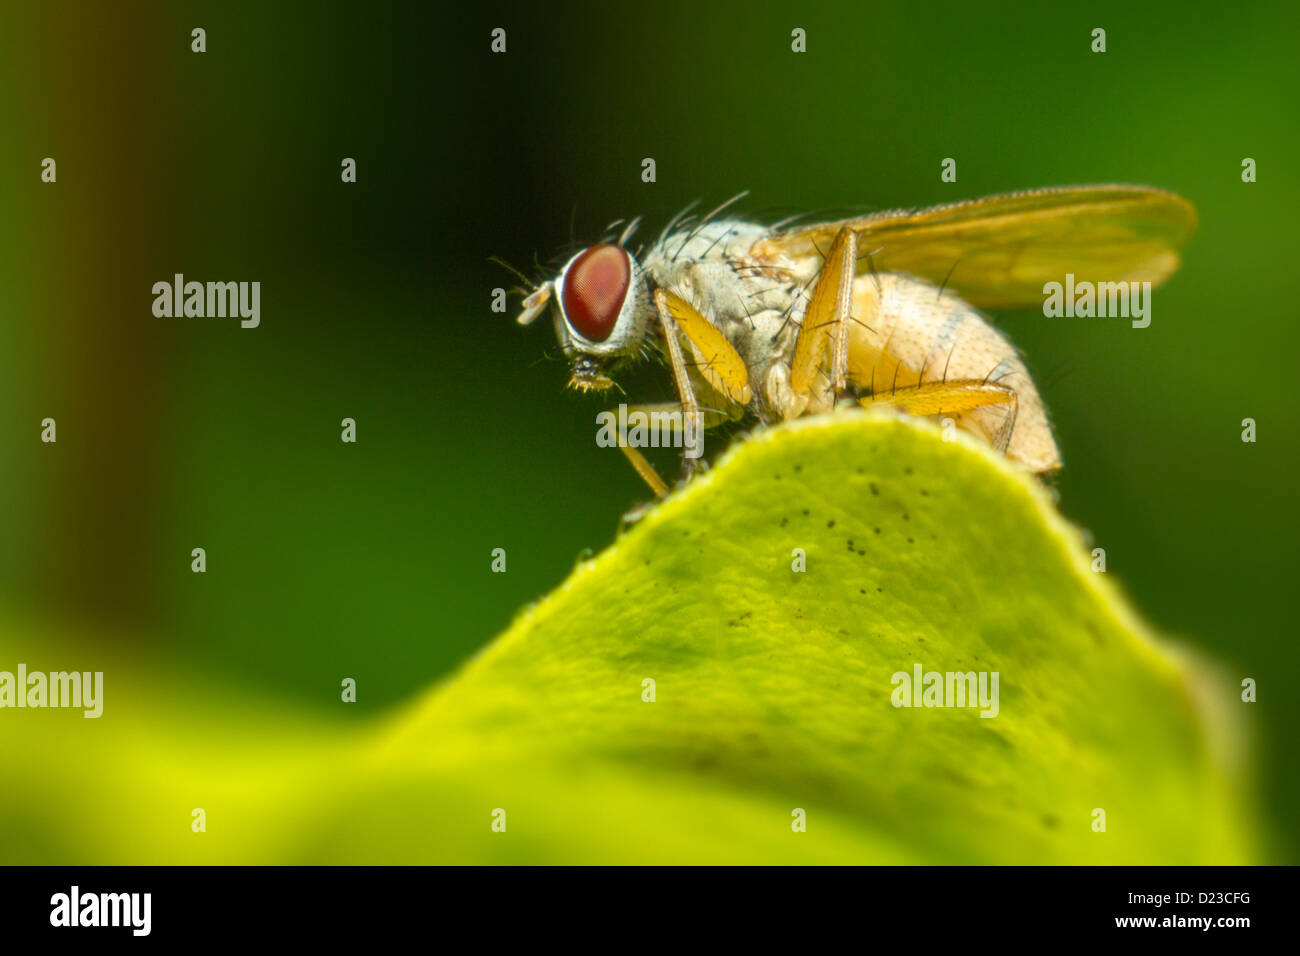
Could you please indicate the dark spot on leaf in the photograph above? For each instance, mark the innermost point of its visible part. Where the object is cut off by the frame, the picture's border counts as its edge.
(805, 512)
(830, 524)
(874, 489)
(706, 761)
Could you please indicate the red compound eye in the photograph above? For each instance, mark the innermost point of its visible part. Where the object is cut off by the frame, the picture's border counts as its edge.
(594, 289)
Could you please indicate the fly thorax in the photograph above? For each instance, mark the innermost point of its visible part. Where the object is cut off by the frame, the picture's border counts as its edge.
(726, 239)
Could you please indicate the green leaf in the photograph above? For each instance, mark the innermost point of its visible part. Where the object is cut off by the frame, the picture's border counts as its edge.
(773, 691)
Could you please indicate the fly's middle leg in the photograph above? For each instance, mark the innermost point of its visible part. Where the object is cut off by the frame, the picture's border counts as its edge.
(826, 321)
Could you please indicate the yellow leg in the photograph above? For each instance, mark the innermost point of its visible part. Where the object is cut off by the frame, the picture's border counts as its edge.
(938, 398)
(826, 320)
(645, 470)
(655, 426)
(639, 461)
(717, 360)
(682, 378)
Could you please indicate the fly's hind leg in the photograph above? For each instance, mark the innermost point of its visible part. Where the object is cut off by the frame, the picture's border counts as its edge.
(939, 398)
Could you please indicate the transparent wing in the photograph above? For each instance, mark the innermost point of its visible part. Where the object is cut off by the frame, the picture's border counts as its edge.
(999, 251)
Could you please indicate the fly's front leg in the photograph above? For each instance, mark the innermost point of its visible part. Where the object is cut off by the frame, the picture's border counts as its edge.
(939, 398)
(645, 470)
(692, 421)
(826, 321)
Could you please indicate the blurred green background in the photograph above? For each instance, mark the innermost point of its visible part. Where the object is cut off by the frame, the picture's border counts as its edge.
(372, 560)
